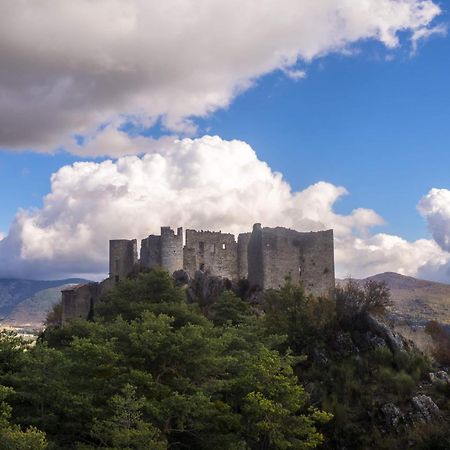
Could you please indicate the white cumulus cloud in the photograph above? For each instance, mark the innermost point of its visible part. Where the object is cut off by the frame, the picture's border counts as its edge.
(69, 67)
(204, 183)
(435, 207)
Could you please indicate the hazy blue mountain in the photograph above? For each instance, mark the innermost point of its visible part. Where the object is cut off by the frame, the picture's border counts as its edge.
(30, 297)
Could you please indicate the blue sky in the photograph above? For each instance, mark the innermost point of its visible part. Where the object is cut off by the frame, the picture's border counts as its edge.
(370, 115)
(380, 129)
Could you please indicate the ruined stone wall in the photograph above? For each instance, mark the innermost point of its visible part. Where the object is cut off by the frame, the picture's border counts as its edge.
(255, 257)
(122, 258)
(266, 256)
(243, 240)
(78, 302)
(171, 249)
(317, 263)
(308, 258)
(213, 251)
(150, 252)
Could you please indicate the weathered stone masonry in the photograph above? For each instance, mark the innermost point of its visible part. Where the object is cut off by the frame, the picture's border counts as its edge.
(265, 257)
(308, 258)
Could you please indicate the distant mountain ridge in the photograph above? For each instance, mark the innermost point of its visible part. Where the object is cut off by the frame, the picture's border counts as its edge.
(28, 301)
(414, 300)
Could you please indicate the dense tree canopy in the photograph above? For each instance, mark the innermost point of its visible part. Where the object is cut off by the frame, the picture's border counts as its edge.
(151, 371)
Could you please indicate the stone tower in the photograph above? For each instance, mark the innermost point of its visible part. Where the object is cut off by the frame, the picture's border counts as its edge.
(122, 258)
(171, 249)
(165, 251)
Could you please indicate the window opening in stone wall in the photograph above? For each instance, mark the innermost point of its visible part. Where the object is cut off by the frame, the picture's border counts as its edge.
(214, 249)
(116, 278)
(201, 246)
(224, 246)
(300, 271)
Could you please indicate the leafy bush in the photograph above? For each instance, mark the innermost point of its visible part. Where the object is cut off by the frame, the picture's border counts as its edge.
(229, 308)
(304, 319)
(354, 300)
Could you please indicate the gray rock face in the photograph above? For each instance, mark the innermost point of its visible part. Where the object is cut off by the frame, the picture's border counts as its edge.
(344, 345)
(205, 288)
(392, 414)
(374, 341)
(440, 377)
(394, 341)
(425, 408)
(181, 277)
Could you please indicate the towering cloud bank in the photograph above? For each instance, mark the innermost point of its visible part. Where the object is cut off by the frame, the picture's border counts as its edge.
(202, 183)
(69, 67)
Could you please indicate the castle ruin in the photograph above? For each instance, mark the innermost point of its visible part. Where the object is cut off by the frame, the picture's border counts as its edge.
(265, 256)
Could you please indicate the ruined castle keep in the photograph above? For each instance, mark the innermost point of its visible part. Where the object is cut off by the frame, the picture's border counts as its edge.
(265, 256)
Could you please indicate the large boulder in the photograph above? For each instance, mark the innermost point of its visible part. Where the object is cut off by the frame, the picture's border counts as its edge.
(440, 377)
(425, 408)
(392, 414)
(395, 341)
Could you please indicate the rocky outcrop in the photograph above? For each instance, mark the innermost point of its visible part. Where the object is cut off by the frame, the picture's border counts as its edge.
(425, 408)
(205, 288)
(181, 278)
(344, 346)
(440, 377)
(373, 341)
(395, 341)
(392, 414)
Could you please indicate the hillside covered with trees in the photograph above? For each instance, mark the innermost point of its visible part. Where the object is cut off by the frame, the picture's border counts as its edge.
(154, 370)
